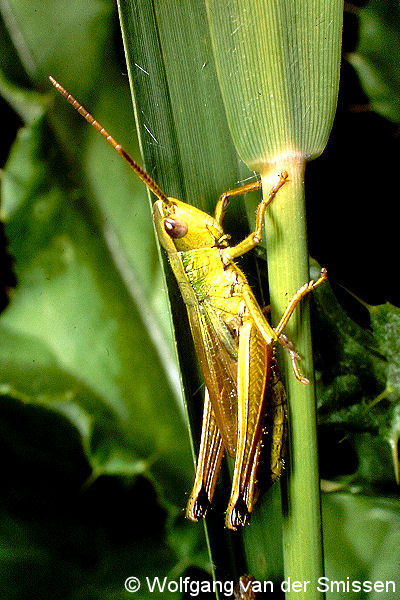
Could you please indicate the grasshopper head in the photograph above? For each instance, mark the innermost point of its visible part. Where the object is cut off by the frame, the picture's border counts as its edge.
(181, 227)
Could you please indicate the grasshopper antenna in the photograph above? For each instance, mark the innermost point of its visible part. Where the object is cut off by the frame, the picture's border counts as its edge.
(147, 180)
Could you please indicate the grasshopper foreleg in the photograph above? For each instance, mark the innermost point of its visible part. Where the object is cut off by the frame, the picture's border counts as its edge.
(252, 240)
(223, 201)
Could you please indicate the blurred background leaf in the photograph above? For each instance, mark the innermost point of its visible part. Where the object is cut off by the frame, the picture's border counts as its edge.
(88, 300)
(96, 454)
(379, 32)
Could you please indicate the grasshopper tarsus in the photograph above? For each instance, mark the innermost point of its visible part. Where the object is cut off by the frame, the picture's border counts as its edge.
(238, 515)
(314, 284)
(198, 506)
(294, 357)
(283, 176)
(323, 277)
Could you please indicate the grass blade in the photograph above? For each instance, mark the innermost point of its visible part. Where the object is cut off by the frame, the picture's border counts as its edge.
(186, 146)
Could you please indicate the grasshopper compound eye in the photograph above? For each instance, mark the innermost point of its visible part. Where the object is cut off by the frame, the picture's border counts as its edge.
(175, 229)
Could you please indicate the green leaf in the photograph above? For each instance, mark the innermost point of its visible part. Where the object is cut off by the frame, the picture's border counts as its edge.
(185, 141)
(175, 88)
(78, 307)
(76, 545)
(73, 312)
(29, 104)
(278, 68)
(359, 385)
(377, 51)
(86, 335)
(38, 52)
(385, 322)
(361, 543)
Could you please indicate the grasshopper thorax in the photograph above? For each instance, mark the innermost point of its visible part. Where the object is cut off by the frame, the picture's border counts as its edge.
(182, 227)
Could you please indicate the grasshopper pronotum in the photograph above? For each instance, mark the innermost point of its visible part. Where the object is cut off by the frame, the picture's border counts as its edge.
(228, 327)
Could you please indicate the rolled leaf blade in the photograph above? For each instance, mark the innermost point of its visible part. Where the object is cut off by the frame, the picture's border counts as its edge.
(278, 66)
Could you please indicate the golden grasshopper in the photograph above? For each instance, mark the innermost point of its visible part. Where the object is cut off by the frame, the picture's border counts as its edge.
(233, 339)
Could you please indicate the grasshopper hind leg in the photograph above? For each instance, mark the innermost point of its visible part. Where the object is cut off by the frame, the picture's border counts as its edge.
(239, 512)
(238, 515)
(254, 364)
(198, 505)
(268, 459)
(208, 465)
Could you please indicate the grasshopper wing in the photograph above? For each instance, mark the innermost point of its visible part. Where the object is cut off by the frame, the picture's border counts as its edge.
(237, 382)
(208, 464)
(219, 369)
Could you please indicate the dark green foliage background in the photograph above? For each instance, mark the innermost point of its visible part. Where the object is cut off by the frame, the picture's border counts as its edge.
(96, 457)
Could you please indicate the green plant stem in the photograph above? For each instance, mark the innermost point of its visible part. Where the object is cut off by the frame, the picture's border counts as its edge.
(288, 270)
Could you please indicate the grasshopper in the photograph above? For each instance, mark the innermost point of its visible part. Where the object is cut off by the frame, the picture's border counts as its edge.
(233, 339)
